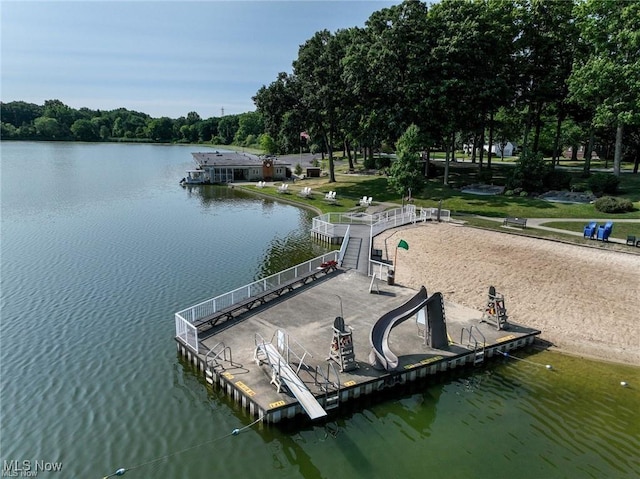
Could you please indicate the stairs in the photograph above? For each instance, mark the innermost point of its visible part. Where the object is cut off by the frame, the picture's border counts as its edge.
(350, 260)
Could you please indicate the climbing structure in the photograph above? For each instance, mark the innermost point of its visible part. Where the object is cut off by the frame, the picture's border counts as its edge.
(495, 312)
(342, 346)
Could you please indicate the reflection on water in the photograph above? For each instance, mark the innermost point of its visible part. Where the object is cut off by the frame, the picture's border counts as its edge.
(102, 246)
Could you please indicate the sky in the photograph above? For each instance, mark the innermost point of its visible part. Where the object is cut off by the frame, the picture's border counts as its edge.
(164, 58)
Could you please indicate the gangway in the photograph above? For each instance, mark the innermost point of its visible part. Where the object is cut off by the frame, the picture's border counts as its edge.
(283, 374)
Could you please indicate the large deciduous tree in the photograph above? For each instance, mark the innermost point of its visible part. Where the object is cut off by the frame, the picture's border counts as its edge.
(609, 77)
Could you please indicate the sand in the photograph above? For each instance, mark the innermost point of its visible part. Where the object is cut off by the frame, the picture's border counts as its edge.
(586, 301)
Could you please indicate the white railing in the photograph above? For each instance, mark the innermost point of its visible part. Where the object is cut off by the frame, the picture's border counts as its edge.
(185, 318)
(343, 246)
(393, 218)
(187, 332)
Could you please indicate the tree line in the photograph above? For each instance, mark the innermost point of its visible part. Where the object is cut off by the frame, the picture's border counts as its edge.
(545, 75)
(56, 121)
(542, 74)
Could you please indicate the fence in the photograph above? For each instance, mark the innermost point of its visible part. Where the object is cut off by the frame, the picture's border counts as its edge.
(187, 332)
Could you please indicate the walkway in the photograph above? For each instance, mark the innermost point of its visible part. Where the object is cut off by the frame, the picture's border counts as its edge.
(539, 222)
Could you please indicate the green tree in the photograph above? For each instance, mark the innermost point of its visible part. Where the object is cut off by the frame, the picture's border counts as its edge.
(248, 124)
(84, 130)
(49, 128)
(267, 144)
(160, 129)
(318, 70)
(405, 171)
(609, 77)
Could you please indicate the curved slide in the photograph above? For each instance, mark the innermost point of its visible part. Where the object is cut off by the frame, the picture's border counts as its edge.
(381, 357)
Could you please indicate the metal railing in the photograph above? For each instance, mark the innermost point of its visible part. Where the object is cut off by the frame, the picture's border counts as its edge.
(185, 318)
(343, 246)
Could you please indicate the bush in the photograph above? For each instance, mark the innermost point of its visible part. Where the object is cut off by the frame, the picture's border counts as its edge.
(508, 193)
(604, 183)
(523, 194)
(298, 169)
(609, 204)
(529, 173)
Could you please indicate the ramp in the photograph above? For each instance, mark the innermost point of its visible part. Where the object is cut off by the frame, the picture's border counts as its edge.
(381, 356)
(282, 372)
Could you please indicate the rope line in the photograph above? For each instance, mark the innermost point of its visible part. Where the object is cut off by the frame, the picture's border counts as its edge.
(507, 355)
(121, 471)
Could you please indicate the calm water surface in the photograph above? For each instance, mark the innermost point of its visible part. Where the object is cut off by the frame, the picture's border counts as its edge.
(100, 246)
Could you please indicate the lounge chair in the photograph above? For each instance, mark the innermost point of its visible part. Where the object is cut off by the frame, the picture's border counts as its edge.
(305, 192)
(330, 197)
(590, 230)
(604, 231)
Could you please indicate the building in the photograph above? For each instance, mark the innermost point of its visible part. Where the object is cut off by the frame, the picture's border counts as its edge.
(229, 167)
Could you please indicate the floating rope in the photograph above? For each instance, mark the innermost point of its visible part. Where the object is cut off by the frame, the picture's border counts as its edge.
(507, 355)
(235, 432)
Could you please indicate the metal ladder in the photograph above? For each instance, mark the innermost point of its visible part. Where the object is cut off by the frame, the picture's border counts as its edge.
(474, 344)
(331, 388)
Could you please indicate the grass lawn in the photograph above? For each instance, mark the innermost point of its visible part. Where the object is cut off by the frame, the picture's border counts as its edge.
(620, 230)
(350, 188)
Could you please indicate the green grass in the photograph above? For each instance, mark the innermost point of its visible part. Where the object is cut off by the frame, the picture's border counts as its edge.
(620, 230)
(351, 187)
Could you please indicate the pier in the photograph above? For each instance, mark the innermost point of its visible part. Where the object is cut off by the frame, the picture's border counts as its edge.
(314, 338)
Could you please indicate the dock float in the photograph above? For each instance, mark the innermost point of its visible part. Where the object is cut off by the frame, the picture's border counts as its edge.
(307, 351)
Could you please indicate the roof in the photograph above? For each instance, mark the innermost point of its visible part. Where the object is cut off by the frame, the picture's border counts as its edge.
(234, 159)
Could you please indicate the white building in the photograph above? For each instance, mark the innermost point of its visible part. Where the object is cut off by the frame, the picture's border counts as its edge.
(216, 167)
(497, 149)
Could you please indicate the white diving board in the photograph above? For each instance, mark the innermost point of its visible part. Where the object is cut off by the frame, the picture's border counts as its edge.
(291, 380)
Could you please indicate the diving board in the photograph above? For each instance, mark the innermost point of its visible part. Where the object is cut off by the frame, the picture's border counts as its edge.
(282, 373)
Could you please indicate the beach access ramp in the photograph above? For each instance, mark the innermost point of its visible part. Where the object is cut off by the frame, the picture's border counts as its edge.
(381, 356)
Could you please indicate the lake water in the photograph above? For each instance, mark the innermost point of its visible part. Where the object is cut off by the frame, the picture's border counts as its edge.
(100, 246)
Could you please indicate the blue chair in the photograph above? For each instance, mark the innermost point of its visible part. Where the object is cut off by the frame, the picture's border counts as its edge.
(604, 231)
(590, 230)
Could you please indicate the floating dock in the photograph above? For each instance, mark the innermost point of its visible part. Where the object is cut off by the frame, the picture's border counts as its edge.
(276, 351)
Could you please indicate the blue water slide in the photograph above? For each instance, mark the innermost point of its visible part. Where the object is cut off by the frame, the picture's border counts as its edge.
(381, 356)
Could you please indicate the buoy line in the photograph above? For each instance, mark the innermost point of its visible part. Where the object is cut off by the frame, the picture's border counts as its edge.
(121, 471)
(507, 355)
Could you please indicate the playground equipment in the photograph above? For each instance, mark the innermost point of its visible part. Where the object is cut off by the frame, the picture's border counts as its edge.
(342, 346)
(495, 312)
(430, 318)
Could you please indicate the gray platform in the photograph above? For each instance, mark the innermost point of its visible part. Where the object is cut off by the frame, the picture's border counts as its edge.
(307, 315)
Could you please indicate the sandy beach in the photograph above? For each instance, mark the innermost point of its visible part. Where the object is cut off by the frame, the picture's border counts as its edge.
(586, 301)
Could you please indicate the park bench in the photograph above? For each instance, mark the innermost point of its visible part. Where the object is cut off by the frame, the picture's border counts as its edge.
(521, 222)
(249, 303)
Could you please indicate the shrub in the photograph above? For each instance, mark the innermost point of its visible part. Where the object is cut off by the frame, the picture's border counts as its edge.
(609, 204)
(523, 194)
(508, 193)
(298, 169)
(529, 173)
(604, 183)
